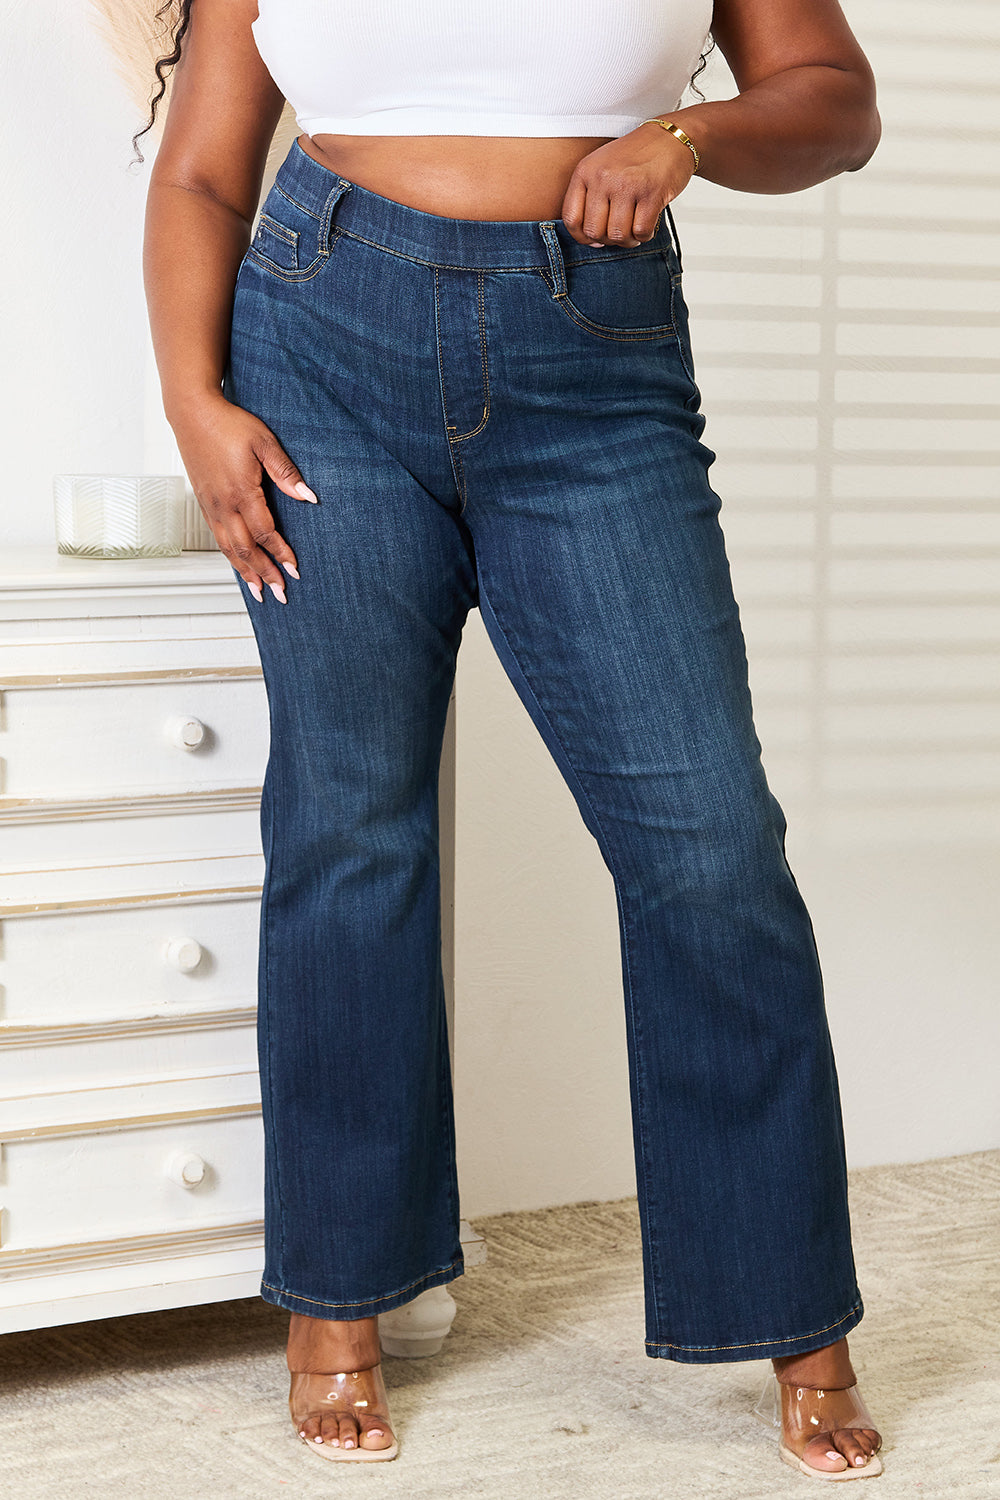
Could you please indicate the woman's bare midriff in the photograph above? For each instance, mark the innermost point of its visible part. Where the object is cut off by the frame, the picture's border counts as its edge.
(459, 176)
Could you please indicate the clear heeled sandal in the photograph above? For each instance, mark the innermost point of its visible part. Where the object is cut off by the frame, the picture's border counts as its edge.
(796, 1415)
(358, 1395)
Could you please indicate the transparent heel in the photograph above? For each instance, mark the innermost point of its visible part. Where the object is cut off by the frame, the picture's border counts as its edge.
(360, 1395)
(768, 1406)
(797, 1416)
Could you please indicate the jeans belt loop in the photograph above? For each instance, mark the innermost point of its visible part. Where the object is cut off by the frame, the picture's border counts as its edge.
(557, 265)
(326, 221)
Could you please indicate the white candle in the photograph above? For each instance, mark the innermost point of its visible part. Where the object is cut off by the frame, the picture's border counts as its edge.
(119, 515)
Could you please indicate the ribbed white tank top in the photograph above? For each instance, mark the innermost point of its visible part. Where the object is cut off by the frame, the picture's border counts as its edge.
(480, 67)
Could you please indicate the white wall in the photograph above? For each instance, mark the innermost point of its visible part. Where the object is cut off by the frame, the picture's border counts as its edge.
(847, 348)
(71, 308)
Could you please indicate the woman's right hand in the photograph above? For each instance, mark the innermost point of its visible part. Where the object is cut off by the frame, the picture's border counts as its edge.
(226, 452)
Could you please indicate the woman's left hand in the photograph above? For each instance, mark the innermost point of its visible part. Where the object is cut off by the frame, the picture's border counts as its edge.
(618, 192)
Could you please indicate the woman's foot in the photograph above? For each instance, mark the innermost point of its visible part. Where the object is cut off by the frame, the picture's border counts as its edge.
(347, 1413)
(823, 1423)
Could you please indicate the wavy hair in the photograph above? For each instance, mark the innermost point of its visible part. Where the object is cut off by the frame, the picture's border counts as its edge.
(702, 65)
(176, 15)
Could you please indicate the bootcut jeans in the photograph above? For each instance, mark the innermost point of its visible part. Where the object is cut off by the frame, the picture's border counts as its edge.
(492, 414)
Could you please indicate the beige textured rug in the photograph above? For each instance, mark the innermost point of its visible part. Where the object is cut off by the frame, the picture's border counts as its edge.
(543, 1390)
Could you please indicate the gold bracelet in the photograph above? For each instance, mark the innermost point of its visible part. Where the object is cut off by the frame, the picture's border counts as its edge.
(672, 129)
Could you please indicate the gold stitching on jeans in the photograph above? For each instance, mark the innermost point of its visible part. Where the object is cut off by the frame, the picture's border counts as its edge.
(365, 1301)
(280, 188)
(500, 270)
(453, 453)
(758, 1343)
(291, 236)
(313, 269)
(614, 336)
(464, 436)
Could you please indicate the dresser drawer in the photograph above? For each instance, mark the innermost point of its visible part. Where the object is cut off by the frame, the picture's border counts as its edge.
(94, 1054)
(145, 735)
(102, 1189)
(68, 967)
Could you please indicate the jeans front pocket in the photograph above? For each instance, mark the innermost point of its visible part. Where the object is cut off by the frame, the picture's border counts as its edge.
(624, 297)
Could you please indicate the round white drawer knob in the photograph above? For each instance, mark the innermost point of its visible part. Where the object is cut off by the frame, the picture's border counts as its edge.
(186, 1168)
(184, 954)
(186, 734)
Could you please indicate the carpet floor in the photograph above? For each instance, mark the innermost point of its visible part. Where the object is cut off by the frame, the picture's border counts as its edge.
(543, 1391)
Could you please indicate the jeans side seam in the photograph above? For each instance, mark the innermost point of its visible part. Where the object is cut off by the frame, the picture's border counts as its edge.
(265, 968)
(573, 780)
(445, 1076)
(676, 290)
(447, 1112)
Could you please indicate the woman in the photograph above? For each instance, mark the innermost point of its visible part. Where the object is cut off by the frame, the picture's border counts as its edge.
(453, 368)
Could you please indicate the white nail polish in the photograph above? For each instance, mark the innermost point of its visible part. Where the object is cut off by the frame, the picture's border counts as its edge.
(255, 590)
(291, 569)
(278, 590)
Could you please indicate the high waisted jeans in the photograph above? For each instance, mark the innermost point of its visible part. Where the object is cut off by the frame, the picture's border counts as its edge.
(494, 415)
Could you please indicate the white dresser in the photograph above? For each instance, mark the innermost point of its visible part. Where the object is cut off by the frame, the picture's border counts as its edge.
(133, 739)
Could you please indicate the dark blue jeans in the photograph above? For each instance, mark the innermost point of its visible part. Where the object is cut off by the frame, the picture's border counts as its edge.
(494, 415)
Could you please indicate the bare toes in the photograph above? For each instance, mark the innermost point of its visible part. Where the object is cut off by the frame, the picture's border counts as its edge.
(375, 1434)
(852, 1445)
(330, 1429)
(820, 1453)
(348, 1432)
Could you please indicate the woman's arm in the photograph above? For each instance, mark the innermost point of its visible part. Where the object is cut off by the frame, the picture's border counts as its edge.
(203, 195)
(806, 107)
(805, 112)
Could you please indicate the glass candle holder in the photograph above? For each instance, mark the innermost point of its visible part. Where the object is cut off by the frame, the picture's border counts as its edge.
(119, 515)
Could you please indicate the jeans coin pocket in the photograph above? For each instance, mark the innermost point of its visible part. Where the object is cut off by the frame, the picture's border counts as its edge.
(287, 241)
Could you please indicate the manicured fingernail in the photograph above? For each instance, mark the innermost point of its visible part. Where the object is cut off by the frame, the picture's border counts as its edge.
(305, 493)
(278, 590)
(255, 590)
(291, 569)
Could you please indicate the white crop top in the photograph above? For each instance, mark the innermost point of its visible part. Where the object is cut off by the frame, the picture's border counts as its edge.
(480, 67)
